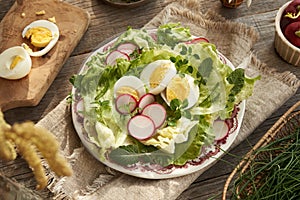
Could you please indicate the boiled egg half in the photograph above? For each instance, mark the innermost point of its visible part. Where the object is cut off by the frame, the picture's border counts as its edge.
(131, 85)
(182, 87)
(43, 35)
(15, 63)
(157, 75)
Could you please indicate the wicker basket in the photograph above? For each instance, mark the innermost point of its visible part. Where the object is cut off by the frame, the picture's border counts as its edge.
(232, 4)
(286, 125)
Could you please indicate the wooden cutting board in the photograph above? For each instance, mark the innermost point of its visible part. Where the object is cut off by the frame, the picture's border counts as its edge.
(72, 23)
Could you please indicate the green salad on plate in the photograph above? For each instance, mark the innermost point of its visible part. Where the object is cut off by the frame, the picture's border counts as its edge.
(157, 97)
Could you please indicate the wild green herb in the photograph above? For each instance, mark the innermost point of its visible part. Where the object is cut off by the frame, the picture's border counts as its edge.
(176, 111)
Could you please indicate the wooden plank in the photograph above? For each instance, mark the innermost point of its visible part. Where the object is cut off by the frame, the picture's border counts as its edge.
(10, 190)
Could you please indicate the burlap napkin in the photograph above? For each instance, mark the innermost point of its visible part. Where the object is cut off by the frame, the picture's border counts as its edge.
(93, 180)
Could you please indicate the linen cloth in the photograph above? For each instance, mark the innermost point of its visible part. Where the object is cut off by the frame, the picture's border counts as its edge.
(93, 180)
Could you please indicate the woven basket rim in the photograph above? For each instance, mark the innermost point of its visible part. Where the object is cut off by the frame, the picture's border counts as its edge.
(271, 133)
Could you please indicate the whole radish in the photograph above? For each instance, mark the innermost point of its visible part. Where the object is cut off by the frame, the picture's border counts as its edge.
(292, 33)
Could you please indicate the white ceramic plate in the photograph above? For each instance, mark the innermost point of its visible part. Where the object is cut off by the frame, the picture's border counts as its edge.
(208, 156)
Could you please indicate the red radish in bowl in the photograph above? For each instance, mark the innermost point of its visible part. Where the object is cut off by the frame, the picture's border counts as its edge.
(141, 127)
(114, 55)
(292, 33)
(146, 100)
(287, 49)
(292, 12)
(125, 104)
(156, 112)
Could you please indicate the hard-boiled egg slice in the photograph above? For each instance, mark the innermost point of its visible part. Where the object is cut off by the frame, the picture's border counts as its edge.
(129, 85)
(43, 34)
(182, 87)
(15, 63)
(157, 75)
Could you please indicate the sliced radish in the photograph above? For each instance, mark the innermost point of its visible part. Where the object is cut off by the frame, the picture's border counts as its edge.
(146, 100)
(153, 35)
(197, 40)
(127, 48)
(79, 108)
(156, 112)
(141, 127)
(221, 129)
(114, 55)
(125, 104)
(107, 46)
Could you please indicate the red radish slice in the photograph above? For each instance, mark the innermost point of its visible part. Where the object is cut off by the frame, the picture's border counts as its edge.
(141, 127)
(197, 40)
(153, 35)
(221, 129)
(125, 104)
(229, 123)
(107, 46)
(156, 112)
(114, 55)
(145, 100)
(127, 48)
(79, 108)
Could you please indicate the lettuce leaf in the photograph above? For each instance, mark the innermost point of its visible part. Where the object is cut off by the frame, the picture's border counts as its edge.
(172, 33)
(239, 88)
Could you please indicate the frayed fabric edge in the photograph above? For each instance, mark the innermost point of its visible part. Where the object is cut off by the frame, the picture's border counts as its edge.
(55, 184)
(286, 77)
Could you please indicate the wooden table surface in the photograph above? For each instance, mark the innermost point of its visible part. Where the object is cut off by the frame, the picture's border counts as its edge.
(107, 21)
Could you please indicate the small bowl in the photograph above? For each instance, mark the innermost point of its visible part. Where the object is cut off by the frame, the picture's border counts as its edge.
(284, 48)
(125, 5)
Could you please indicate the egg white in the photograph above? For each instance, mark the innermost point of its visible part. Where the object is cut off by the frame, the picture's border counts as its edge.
(46, 24)
(193, 94)
(132, 82)
(148, 72)
(22, 68)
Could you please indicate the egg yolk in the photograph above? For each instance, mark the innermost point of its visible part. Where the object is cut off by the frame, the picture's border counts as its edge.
(158, 75)
(15, 61)
(127, 90)
(178, 88)
(39, 36)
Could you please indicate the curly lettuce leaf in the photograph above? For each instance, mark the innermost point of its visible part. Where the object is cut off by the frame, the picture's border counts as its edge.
(240, 87)
(140, 37)
(172, 33)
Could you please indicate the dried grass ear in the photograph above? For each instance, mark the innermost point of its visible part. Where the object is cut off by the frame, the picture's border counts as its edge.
(29, 140)
(7, 151)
